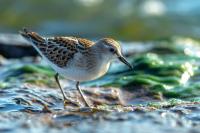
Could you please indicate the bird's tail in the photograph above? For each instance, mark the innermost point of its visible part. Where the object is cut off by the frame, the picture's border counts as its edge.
(32, 36)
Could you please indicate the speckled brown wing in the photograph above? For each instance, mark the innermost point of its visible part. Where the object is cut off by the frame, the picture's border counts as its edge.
(60, 50)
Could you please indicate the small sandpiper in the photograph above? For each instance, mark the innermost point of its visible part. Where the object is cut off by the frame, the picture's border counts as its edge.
(77, 59)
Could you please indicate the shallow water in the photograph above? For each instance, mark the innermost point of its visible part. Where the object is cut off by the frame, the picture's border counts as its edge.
(161, 94)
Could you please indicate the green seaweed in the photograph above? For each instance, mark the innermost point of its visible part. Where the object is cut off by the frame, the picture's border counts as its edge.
(172, 102)
(36, 69)
(167, 103)
(29, 73)
(3, 84)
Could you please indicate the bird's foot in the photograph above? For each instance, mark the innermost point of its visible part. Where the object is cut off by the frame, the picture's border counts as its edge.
(69, 102)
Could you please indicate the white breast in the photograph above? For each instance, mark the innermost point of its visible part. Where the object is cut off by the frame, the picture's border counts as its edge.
(77, 73)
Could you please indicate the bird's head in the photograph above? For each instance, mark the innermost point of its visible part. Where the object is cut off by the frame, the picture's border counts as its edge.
(111, 50)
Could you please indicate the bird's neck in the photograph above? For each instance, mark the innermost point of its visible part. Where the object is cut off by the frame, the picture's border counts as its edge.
(100, 52)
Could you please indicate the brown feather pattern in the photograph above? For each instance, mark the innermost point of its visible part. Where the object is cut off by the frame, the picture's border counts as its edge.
(59, 50)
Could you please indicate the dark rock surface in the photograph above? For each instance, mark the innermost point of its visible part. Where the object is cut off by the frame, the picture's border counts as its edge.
(14, 46)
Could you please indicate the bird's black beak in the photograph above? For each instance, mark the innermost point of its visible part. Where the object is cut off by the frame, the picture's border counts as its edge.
(123, 60)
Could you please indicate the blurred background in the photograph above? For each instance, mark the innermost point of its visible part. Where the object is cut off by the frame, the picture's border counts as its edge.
(125, 20)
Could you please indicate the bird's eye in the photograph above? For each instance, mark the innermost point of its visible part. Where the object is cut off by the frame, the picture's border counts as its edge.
(111, 49)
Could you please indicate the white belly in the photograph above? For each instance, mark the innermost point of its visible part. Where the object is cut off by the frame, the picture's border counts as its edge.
(78, 74)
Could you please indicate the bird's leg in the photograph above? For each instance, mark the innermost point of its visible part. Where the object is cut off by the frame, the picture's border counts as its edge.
(66, 100)
(82, 95)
